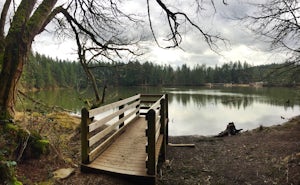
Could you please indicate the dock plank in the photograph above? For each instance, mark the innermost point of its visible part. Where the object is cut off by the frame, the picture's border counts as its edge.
(127, 154)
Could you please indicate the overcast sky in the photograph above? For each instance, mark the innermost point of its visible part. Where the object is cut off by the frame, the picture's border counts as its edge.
(244, 46)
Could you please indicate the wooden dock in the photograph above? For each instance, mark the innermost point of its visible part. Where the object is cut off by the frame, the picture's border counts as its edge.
(127, 154)
(131, 146)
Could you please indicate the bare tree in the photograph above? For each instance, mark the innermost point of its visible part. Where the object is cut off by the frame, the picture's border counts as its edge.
(99, 27)
(278, 23)
(100, 37)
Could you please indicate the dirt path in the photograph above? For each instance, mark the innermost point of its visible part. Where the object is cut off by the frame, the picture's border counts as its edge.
(263, 156)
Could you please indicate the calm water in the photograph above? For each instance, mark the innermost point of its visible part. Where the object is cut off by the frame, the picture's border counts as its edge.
(198, 111)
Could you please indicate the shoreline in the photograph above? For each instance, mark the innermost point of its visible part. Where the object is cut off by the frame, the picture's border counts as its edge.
(244, 131)
(259, 156)
(265, 155)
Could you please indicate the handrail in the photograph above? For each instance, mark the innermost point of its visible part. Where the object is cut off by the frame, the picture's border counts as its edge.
(96, 140)
(156, 133)
(104, 108)
(93, 142)
(157, 103)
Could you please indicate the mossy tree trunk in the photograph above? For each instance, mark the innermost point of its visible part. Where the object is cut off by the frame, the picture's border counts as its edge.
(26, 24)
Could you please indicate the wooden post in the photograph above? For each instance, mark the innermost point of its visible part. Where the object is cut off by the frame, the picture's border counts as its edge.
(167, 117)
(85, 121)
(162, 116)
(138, 106)
(163, 128)
(121, 115)
(150, 149)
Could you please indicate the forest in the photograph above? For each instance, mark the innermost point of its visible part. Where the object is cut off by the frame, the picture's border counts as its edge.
(42, 72)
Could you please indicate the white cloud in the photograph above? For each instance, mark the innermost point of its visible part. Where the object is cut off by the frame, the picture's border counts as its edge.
(243, 44)
(49, 45)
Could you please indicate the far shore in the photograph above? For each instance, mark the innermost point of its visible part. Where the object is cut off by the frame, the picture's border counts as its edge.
(254, 84)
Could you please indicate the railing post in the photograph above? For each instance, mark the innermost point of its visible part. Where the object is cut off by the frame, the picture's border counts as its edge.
(138, 106)
(150, 149)
(85, 121)
(167, 117)
(163, 128)
(121, 115)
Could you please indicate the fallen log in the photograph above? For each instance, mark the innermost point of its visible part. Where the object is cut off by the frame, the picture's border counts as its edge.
(181, 145)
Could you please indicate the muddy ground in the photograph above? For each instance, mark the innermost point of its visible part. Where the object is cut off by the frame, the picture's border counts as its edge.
(266, 155)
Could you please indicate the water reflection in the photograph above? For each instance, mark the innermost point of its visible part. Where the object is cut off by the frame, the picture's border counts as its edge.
(237, 98)
(207, 111)
(195, 111)
(202, 100)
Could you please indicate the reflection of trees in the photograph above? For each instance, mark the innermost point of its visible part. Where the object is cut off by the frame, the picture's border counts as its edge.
(203, 100)
(234, 98)
(280, 97)
(244, 97)
(237, 101)
(182, 98)
(49, 100)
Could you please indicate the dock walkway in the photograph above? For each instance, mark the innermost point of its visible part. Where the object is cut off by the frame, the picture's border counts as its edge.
(132, 141)
(127, 154)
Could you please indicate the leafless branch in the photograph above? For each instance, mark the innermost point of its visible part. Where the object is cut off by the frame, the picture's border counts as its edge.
(3, 19)
(175, 36)
(277, 22)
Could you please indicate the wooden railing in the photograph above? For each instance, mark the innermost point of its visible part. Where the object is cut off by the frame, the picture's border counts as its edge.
(95, 139)
(157, 133)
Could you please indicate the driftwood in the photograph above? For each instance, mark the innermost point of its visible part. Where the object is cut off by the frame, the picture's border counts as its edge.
(181, 145)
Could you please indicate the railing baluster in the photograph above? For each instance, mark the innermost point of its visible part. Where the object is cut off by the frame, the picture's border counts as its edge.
(167, 118)
(85, 121)
(163, 127)
(121, 115)
(151, 164)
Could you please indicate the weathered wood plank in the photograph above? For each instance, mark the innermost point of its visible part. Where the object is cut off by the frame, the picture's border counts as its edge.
(140, 172)
(157, 120)
(94, 139)
(116, 165)
(116, 158)
(114, 105)
(158, 147)
(155, 105)
(181, 145)
(124, 151)
(163, 129)
(157, 133)
(85, 121)
(151, 122)
(106, 119)
(103, 146)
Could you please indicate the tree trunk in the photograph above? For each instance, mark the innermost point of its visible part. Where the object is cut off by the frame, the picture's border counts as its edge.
(25, 26)
(14, 58)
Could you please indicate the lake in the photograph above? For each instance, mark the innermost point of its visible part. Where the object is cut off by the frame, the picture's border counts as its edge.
(196, 110)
